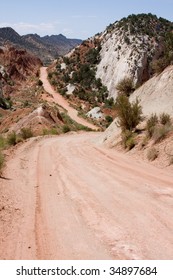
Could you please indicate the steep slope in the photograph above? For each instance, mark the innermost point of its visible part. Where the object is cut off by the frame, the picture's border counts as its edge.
(134, 47)
(47, 48)
(16, 66)
(156, 95)
(129, 48)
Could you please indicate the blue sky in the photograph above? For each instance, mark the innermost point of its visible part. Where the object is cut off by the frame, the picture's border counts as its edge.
(74, 18)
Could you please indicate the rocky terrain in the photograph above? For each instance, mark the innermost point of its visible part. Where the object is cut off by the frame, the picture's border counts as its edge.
(125, 74)
(47, 48)
(130, 47)
(23, 100)
(136, 47)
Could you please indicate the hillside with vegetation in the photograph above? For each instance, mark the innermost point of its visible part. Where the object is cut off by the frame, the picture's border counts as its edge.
(127, 54)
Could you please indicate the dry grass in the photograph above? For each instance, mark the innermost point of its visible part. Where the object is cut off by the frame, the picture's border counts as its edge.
(152, 154)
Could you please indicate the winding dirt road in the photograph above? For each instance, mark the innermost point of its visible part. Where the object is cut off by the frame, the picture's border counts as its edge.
(66, 197)
(60, 100)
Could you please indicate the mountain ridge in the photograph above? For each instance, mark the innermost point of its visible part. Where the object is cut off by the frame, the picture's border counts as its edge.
(47, 48)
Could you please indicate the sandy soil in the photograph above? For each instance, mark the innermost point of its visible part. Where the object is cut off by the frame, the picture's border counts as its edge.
(66, 197)
(60, 100)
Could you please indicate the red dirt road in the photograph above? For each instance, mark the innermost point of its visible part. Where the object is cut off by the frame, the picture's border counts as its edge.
(68, 198)
(60, 100)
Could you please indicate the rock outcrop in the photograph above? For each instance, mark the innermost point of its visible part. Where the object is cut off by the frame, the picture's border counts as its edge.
(156, 95)
(128, 49)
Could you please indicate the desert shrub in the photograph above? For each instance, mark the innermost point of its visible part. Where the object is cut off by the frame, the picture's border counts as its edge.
(12, 138)
(125, 86)
(40, 83)
(65, 128)
(129, 114)
(2, 162)
(151, 124)
(25, 103)
(128, 139)
(26, 133)
(160, 132)
(165, 118)
(2, 142)
(159, 65)
(109, 119)
(144, 142)
(152, 154)
(5, 103)
(52, 131)
(109, 103)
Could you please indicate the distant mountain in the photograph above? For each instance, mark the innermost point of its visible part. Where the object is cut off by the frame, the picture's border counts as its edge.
(47, 48)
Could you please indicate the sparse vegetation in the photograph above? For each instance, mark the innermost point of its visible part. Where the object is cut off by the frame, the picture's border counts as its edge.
(2, 142)
(26, 133)
(125, 86)
(2, 162)
(152, 154)
(158, 127)
(12, 138)
(151, 124)
(160, 132)
(129, 115)
(128, 139)
(65, 128)
(40, 83)
(165, 119)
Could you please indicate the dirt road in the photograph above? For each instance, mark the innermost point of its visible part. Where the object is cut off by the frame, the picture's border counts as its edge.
(60, 100)
(67, 198)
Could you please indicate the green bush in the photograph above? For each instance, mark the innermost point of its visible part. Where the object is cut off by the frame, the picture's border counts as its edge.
(2, 142)
(151, 124)
(12, 138)
(129, 114)
(40, 83)
(26, 133)
(165, 118)
(128, 139)
(109, 119)
(65, 128)
(125, 86)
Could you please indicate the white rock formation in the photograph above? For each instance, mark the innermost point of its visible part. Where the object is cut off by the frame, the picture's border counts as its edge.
(70, 89)
(95, 113)
(156, 95)
(120, 59)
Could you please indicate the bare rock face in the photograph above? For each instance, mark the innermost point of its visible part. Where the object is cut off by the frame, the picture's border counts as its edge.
(16, 66)
(19, 63)
(156, 95)
(129, 47)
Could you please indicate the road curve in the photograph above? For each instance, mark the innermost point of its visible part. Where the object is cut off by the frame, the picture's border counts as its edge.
(60, 100)
(67, 198)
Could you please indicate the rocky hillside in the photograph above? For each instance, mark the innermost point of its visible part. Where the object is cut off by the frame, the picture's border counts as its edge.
(136, 47)
(47, 48)
(16, 67)
(130, 47)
